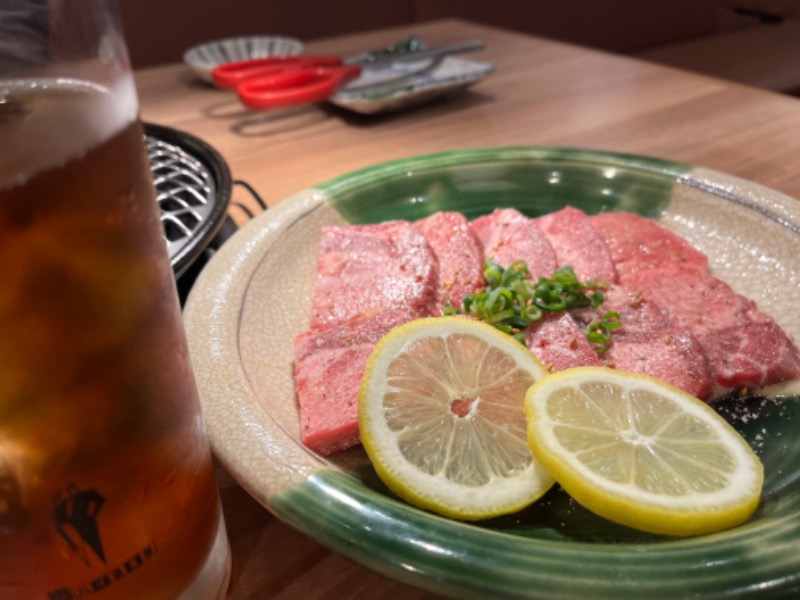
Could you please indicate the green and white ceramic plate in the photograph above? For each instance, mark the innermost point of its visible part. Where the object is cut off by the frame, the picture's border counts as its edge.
(255, 296)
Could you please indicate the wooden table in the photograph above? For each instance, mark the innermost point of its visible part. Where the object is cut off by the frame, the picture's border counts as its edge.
(542, 93)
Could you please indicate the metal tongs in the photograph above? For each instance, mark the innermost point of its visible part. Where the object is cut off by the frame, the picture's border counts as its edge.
(280, 81)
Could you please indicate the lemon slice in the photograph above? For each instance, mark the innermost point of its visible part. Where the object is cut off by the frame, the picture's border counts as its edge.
(441, 416)
(642, 453)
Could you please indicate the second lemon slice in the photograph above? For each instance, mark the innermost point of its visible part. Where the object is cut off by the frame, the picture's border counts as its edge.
(642, 453)
(441, 415)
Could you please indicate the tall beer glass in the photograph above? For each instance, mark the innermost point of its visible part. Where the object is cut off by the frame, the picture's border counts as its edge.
(107, 488)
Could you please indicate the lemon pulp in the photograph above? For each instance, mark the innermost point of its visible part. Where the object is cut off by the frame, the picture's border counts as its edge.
(441, 415)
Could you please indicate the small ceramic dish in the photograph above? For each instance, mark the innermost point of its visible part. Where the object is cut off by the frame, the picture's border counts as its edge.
(255, 295)
(411, 83)
(205, 57)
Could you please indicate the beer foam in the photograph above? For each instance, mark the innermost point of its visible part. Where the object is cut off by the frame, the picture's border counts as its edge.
(45, 123)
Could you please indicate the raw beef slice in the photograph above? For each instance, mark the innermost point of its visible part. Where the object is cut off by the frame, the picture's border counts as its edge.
(744, 346)
(754, 355)
(329, 365)
(648, 342)
(507, 236)
(696, 299)
(362, 268)
(673, 355)
(576, 242)
(458, 255)
(559, 343)
(638, 244)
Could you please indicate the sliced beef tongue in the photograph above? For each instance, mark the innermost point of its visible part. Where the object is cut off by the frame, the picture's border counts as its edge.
(560, 343)
(674, 356)
(458, 254)
(694, 298)
(506, 236)
(679, 323)
(362, 268)
(637, 244)
(639, 315)
(649, 342)
(576, 242)
(329, 364)
(752, 356)
(370, 279)
(744, 346)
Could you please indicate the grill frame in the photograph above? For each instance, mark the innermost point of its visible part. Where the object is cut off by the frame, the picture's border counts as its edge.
(193, 189)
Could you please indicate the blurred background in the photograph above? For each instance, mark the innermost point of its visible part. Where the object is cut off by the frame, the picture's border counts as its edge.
(755, 42)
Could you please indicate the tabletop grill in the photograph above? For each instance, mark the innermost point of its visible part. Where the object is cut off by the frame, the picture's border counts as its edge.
(193, 191)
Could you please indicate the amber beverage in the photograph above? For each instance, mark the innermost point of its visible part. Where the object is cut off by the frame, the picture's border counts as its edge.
(107, 488)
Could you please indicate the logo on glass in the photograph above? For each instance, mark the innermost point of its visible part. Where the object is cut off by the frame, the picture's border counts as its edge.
(75, 514)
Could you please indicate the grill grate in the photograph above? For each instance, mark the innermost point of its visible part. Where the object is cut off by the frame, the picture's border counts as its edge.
(193, 189)
(185, 192)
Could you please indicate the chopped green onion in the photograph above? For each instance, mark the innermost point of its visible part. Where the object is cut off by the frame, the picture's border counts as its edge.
(599, 332)
(511, 302)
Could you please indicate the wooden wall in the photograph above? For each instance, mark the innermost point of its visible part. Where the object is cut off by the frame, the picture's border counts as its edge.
(158, 31)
